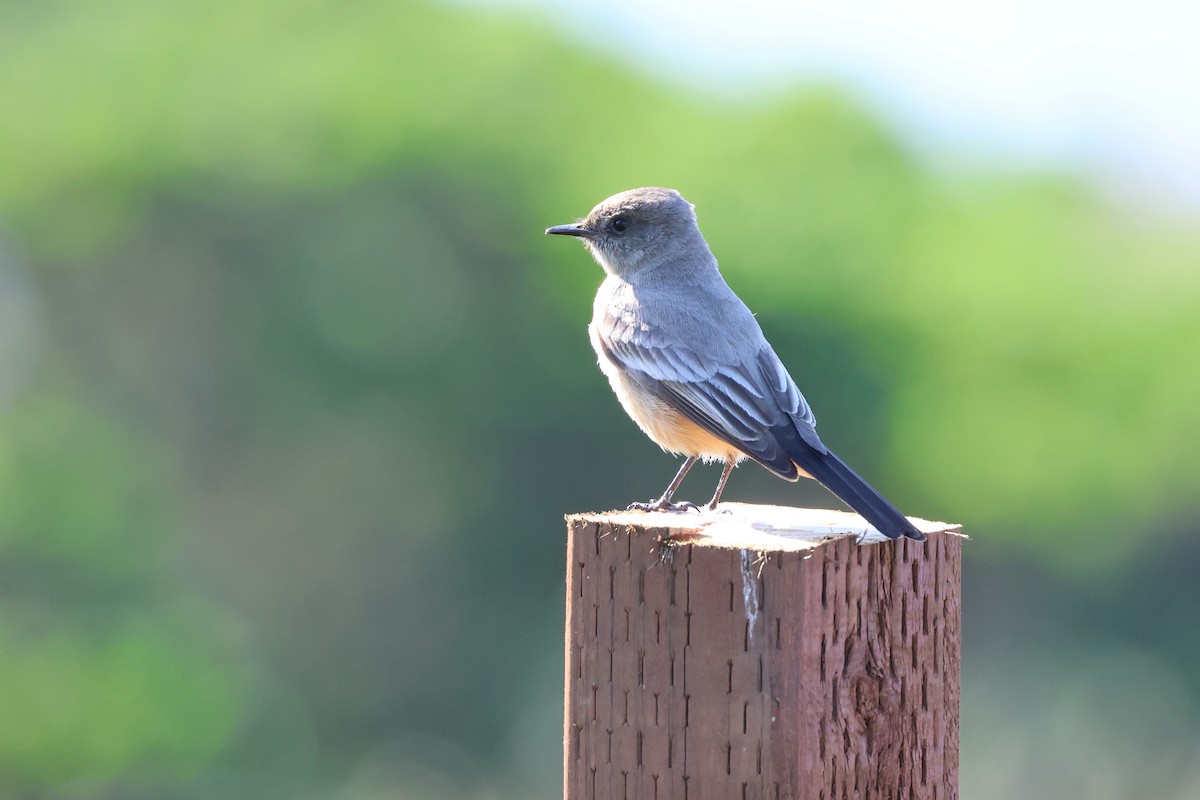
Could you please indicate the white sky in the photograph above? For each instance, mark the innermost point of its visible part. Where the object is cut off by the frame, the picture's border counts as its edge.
(1111, 87)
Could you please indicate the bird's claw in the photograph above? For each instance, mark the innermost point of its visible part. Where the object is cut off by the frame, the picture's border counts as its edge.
(664, 505)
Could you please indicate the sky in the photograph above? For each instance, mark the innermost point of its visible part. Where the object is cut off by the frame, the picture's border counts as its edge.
(1110, 88)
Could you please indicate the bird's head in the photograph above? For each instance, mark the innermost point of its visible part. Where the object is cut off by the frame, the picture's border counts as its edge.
(637, 230)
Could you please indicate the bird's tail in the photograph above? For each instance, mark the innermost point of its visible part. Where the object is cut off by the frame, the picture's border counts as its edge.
(838, 478)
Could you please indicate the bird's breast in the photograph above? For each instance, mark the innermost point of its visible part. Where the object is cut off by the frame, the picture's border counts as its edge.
(665, 426)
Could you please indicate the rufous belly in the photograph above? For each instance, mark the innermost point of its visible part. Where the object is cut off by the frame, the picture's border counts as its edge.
(665, 426)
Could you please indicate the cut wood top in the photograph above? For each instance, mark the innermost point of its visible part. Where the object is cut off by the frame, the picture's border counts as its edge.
(746, 526)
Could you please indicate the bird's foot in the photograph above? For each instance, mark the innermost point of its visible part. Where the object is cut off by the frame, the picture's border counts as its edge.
(662, 504)
(713, 508)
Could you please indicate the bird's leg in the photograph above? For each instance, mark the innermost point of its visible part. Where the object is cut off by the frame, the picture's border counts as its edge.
(712, 504)
(664, 503)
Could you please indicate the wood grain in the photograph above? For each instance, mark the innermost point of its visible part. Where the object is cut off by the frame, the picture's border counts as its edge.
(698, 671)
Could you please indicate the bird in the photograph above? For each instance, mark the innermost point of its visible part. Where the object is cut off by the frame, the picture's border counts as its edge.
(689, 362)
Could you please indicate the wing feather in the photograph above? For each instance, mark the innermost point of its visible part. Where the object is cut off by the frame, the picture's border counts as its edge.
(753, 405)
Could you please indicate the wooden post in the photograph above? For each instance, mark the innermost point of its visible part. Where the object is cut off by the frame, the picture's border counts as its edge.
(763, 654)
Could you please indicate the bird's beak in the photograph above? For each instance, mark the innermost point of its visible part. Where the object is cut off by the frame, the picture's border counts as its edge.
(574, 229)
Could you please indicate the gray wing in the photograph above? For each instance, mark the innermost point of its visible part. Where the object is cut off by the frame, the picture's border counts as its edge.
(752, 404)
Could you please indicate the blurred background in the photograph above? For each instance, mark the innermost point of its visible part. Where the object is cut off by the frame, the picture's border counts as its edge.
(294, 392)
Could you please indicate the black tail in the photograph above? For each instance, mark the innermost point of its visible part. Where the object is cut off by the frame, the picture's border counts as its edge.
(838, 478)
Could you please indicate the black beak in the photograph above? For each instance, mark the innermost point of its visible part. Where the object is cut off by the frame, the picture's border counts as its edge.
(574, 229)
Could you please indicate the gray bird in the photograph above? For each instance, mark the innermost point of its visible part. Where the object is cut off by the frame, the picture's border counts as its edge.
(689, 362)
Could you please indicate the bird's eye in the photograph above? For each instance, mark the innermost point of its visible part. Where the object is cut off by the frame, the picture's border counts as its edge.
(619, 224)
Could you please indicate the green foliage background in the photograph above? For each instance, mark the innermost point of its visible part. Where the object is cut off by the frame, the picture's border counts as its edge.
(294, 393)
